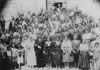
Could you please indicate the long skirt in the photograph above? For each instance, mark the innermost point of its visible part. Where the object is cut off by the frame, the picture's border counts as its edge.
(40, 59)
(75, 56)
(47, 56)
(31, 58)
(56, 58)
(67, 58)
(97, 65)
(84, 60)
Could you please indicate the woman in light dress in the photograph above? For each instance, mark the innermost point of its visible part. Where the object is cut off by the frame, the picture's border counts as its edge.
(83, 62)
(66, 47)
(30, 52)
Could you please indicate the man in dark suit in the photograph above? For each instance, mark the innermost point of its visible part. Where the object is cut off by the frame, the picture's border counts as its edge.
(39, 44)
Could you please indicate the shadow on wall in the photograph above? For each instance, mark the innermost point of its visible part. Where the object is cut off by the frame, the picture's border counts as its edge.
(97, 1)
(3, 4)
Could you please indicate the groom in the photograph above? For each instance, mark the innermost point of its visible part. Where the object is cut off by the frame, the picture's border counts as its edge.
(39, 44)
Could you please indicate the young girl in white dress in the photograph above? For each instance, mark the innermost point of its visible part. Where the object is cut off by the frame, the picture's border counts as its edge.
(20, 57)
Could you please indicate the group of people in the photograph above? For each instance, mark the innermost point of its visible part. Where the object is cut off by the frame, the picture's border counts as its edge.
(57, 37)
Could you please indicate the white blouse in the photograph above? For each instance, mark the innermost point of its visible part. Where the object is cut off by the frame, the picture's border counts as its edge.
(84, 47)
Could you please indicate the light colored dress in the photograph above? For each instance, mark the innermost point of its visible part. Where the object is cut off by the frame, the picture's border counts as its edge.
(31, 57)
(66, 47)
(97, 30)
(20, 56)
(14, 54)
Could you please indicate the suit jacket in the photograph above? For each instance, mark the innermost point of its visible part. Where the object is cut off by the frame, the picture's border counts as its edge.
(39, 47)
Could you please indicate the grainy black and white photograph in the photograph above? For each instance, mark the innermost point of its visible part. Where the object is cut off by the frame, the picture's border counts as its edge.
(49, 34)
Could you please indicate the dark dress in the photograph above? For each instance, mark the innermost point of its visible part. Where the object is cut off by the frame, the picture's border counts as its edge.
(83, 61)
(55, 54)
(75, 51)
(5, 62)
(47, 47)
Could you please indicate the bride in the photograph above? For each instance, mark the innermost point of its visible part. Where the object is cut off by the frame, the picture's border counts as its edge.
(30, 51)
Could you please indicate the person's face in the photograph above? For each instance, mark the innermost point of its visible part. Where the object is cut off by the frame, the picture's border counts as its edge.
(57, 39)
(19, 30)
(40, 40)
(13, 45)
(66, 38)
(84, 24)
(19, 45)
(75, 37)
(76, 26)
(59, 5)
(31, 39)
(94, 25)
(96, 45)
(86, 42)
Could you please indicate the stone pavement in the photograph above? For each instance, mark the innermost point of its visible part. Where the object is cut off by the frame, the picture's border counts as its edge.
(47, 68)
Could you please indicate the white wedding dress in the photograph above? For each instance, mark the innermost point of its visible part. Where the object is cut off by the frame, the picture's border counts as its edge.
(31, 57)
